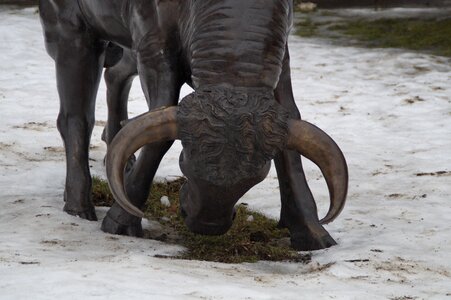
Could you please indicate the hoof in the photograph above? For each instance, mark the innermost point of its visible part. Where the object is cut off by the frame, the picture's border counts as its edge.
(307, 242)
(109, 225)
(88, 214)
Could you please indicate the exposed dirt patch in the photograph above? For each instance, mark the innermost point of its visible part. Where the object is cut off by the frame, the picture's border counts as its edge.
(438, 173)
(29, 263)
(413, 100)
(54, 149)
(404, 298)
(31, 157)
(50, 242)
(36, 126)
(396, 195)
(61, 243)
(4, 146)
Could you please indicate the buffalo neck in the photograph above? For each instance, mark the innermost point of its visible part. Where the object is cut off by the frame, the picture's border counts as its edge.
(241, 43)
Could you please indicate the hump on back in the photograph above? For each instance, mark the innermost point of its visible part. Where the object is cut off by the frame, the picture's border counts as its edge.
(238, 42)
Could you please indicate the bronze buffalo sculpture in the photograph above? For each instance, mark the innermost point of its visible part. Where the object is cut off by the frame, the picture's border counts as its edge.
(241, 115)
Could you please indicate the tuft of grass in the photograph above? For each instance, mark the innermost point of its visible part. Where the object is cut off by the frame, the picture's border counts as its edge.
(431, 35)
(101, 195)
(253, 236)
(306, 28)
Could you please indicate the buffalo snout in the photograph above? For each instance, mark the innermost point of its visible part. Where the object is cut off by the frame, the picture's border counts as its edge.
(204, 214)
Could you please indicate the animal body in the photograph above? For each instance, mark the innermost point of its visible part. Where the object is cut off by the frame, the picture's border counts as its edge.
(241, 116)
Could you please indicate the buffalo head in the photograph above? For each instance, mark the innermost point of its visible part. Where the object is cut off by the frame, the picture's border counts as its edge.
(229, 137)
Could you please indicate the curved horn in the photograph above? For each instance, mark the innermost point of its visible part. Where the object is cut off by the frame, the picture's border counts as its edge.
(154, 126)
(316, 145)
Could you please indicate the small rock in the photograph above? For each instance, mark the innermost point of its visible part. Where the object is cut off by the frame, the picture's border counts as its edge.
(307, 7)
(165, 201)
(250, 218)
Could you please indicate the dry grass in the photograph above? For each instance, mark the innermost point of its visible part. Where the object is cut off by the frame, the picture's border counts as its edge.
(253, 236)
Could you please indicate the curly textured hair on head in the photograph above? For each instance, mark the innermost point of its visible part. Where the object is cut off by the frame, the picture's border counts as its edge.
(230, 134)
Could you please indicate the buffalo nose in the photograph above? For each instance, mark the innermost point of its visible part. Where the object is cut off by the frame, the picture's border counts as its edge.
(207, 228)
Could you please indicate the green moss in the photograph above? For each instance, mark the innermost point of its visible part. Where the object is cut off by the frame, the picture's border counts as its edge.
(253, 236)
(426, 35)
(431, 35)
(101, 195)
(327, 13)
(306, 28)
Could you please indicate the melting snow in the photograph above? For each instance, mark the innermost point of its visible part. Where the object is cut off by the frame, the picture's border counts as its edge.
(389, 110)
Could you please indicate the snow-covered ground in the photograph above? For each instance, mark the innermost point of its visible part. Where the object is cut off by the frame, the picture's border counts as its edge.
(389, 110)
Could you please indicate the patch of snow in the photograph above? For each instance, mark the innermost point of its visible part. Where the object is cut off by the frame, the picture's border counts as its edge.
(394, 234)
(165, 201)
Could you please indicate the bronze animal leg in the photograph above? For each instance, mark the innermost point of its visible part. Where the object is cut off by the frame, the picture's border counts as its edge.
(118, 79)
(79, 61)
(161, 86)
(298, 213)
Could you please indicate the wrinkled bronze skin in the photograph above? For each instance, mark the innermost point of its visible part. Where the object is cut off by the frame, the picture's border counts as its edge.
(222, 43)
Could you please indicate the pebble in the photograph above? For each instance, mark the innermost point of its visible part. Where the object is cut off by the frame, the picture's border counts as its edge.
(307, 7)
(165, 201)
